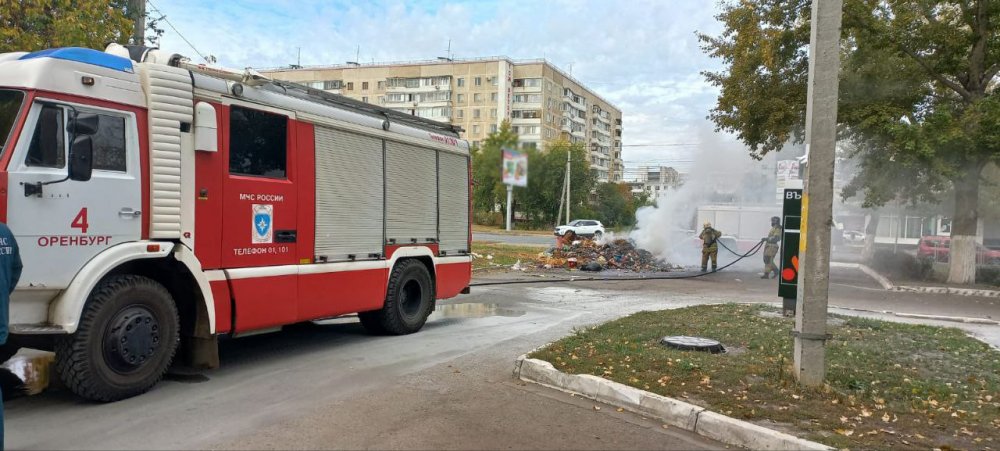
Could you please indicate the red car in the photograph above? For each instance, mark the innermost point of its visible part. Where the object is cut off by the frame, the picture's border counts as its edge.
(939, 248)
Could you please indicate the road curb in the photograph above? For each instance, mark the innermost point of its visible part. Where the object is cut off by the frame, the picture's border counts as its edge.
(672, 411)
(954, 319)
(888, 285)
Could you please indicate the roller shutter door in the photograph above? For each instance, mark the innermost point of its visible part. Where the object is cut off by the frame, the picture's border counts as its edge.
(411, 193)
(453, 173)
(349, 195)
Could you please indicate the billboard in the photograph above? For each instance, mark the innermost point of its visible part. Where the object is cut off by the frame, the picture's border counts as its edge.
(515, 168)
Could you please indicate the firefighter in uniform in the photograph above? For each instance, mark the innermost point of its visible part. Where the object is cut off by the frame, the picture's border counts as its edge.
(709, 246)
(771, 248)
(10, 272)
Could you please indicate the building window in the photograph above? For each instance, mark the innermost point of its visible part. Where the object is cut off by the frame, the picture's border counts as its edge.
(315, 84)
(477, 97)
(476, 129)
(257, 143)
(493, 97)
(461, 82)
(475, 113)
(381, 100)
(493, 113)
(479, 81)
(381, 85)
(493, 128)
(332, 84)
(495, 80)
(460, 114)
(350, 86)
(364, 99)
(364, 86)
(461, 97)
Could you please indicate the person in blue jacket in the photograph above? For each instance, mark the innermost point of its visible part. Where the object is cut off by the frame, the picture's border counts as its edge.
(10, 272)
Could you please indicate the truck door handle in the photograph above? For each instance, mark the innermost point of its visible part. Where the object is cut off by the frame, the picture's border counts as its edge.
(129, 213)
(284, 236)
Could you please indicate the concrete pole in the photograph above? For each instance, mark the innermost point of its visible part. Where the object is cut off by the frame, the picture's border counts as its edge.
(569, 178)
(510, 201)
(817, 202)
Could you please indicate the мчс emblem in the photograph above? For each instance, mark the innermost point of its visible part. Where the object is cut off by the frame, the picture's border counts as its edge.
(263, 218)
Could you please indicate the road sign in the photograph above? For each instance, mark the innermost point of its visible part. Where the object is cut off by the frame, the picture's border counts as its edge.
(792, 221)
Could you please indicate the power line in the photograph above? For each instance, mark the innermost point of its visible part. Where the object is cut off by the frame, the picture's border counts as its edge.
(151, 5)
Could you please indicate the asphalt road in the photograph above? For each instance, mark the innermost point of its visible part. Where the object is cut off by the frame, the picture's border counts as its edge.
(449, 386)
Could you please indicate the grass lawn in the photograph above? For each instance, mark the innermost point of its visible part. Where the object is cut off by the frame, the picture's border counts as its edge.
(888, 384)
(504, 255)
(503, 231)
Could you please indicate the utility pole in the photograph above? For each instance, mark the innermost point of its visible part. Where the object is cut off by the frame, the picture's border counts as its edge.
(569, 153)
(817, 203)
(137, 11)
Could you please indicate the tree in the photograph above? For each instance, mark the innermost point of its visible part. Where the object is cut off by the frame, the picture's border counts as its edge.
(30, 25)
(917, 93)
(489, 192)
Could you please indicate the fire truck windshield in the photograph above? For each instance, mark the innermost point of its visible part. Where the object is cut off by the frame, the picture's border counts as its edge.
(10, 105)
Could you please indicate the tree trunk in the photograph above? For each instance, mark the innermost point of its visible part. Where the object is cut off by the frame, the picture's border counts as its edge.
(868, 251)
(964, 226)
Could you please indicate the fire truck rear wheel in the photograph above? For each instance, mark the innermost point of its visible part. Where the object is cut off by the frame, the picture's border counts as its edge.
(409, 301)
(125, 342)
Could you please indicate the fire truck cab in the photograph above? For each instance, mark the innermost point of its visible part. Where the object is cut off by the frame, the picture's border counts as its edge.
(160, 204)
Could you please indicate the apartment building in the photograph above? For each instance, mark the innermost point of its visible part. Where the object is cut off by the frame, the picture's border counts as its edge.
(541, 102)
(657, 181)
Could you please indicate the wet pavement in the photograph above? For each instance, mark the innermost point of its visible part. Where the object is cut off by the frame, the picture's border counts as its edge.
(449, 386)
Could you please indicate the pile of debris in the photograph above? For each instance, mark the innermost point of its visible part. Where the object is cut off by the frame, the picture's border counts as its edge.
(589, 255)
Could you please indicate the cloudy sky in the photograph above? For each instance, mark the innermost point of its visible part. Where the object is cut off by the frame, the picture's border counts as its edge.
(642, 55)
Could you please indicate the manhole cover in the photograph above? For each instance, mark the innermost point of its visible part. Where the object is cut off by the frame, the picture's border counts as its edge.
(686, 343)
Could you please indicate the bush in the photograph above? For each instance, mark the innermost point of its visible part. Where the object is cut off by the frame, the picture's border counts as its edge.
(988, 275)
(902, 266)
(488, 218)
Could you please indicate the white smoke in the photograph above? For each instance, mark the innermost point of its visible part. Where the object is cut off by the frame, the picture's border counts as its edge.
(723, 173)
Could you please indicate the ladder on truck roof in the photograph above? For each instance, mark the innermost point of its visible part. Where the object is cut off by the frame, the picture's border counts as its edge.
(253, 78)
(337, 100)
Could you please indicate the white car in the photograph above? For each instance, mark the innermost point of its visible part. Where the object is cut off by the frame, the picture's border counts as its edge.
(582, 227)
(854, 236)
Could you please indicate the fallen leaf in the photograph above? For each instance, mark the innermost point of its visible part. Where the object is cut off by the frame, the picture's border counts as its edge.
(620, 410)
(597, 408)
(844, 432)
(796, 397)
(865, 413)
(843, 419)
(886, 418)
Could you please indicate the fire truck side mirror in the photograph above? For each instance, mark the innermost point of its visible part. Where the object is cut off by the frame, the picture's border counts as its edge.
(84, 124)
(81, 162)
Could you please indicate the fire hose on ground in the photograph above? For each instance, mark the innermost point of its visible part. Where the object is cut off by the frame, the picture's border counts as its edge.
(739, 256)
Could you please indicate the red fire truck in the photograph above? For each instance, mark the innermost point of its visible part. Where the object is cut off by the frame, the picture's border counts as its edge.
(160, 204)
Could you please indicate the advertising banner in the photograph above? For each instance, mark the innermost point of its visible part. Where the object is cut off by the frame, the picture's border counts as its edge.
(515, 168)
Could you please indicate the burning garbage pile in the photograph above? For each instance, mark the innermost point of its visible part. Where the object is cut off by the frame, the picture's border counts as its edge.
(590, 255)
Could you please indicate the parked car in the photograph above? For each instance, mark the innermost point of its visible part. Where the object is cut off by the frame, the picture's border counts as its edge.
(854, 236)
(939, 249)
(582, 227)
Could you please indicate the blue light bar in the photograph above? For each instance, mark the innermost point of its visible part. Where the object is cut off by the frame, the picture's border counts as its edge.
(86, 56)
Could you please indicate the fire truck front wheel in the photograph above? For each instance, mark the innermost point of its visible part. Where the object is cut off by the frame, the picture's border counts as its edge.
(409, 300)
(126, 339)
